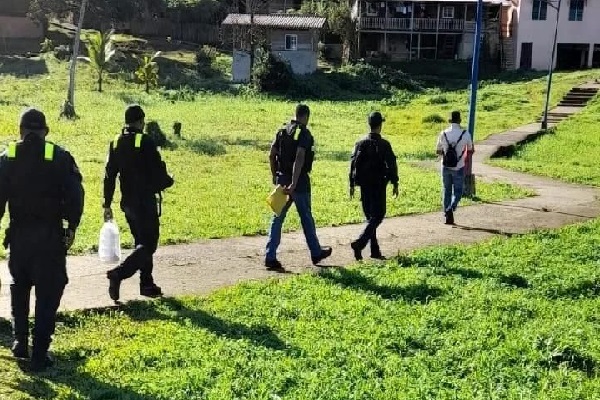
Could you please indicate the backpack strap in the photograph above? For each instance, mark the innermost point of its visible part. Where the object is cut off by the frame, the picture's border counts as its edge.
(459, 139)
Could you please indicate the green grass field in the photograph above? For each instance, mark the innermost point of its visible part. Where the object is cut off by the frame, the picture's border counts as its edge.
(569, 152)
(509, 319)
(221, 170)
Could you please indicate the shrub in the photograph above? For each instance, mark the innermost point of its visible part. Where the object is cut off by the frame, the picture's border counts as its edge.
(438, 100)
(47, 46)
(62, 52)
(205, 57)
(433, 119)
(271, 74)
(153, 130)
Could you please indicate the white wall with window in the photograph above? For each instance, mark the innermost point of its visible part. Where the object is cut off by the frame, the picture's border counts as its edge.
(291, 42)
(579, 23)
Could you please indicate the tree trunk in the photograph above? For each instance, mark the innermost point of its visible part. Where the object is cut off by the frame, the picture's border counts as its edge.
(100, 81)
(68, 110)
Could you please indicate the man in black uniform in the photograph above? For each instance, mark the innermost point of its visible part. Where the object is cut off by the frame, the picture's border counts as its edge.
(373, 165)
(142, 174)
(42, 186)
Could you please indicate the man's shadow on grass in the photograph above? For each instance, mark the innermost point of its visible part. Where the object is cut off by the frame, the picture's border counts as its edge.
(353, 279)
(171, 309)
(66, 372)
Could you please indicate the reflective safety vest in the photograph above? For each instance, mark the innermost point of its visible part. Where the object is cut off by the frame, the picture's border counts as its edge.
(48, 151)
(138, 140)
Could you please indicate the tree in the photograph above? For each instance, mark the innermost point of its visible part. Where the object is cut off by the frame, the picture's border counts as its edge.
(339, 21)
(68, 108)
(147, 72)
(253, 7)
(100, 47)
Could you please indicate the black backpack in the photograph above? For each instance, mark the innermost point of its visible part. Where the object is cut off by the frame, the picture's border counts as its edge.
(369, 163)
(451, 158)
(287, 149)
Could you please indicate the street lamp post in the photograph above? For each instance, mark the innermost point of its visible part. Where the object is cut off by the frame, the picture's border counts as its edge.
(551, 64)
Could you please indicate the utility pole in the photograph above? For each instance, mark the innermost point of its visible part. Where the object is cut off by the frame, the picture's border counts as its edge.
(469, 177)
(68, 108)
(551, 64)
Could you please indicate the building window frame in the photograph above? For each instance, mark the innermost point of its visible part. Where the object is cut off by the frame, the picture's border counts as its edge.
(576, 10)
(448, 12)
(291, 42)
(539, 11)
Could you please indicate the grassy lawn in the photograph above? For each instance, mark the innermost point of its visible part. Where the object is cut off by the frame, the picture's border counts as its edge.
(509, 319)
(570, 152)
(220, 167)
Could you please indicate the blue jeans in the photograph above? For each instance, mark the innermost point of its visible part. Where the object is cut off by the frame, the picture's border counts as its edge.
(453, 181)
(303, 206)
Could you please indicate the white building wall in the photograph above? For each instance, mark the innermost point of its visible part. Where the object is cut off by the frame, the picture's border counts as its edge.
(541, 33)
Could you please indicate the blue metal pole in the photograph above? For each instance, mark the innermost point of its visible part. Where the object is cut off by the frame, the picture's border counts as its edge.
(475, 68)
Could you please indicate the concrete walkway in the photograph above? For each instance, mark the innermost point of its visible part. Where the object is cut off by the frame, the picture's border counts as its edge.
(202, 267)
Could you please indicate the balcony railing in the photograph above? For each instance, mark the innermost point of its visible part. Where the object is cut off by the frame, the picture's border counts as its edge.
(418, 24)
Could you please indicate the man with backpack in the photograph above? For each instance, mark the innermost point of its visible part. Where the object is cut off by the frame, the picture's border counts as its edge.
(291, 158)
(134, 157)
(372, 166)
(452, 145)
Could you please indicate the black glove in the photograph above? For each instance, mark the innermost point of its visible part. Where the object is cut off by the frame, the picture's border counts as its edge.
(68, 238)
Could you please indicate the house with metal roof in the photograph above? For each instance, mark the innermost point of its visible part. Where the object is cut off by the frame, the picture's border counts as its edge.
(425, 29)
(292, 38)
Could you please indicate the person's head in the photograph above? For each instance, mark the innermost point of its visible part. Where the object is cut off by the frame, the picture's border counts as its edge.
(375, 121)
(302, 113)
(33, 122)
(135, 117)
(455, 118)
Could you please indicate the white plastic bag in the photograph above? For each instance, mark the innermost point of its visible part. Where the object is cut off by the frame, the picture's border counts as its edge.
(109, 247)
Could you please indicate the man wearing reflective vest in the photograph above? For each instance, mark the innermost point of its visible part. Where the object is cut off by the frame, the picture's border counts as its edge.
(142, 174)
(42, 186)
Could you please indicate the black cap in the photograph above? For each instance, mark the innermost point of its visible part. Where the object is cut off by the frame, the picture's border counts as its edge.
(34, 119)
(134, 113)
(455, 117)
(376, 119)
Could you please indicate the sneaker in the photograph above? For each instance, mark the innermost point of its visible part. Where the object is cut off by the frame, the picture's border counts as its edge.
(40, 364)
(20, 349)
(449, 217)
(325, 252)
(273, 264)
(114, 286)
(151, 291)
(357, 251)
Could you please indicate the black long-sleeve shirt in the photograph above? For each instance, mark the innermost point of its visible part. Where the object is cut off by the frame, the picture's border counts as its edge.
(137, 168)
(41, 187)
(389, 158)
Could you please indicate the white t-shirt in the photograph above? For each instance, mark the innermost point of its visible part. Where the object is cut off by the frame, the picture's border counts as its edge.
(453, 134)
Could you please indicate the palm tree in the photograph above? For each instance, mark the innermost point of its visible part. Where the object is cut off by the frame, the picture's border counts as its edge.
(100, 47)
(147, 73)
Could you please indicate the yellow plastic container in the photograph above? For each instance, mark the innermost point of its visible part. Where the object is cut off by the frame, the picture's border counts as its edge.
(277, 200)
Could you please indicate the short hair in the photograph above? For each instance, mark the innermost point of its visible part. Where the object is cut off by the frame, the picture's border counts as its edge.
(134, 113)
(302, 110)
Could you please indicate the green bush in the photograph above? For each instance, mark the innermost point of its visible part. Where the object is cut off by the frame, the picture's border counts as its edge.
(205, 57)
(62, 52)
(438, 100)
(433, 119)
(271, 74)
(155, 132)
(47, 46)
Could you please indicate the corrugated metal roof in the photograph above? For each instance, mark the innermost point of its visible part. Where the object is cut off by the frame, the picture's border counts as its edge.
(277, 21)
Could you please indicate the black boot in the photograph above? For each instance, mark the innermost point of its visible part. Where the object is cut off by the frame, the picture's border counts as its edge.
(357, 251)
(449, 217)
(150, 290)
(20, 348)
(41, 362)
(114, 285)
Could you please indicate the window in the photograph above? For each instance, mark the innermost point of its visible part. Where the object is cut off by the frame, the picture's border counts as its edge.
(539, 10)
(576, 10)
(291, 42)
(372, 10)
(448, 12)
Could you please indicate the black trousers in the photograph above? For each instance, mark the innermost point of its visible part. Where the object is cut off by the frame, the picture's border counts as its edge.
(373, 199)
(144, 224)
(37, 260)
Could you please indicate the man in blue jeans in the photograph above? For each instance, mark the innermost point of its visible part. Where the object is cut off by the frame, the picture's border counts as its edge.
(452, 145)
(291, 158)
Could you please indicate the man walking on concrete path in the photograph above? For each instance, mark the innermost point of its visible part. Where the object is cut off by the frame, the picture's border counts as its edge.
(291, 158)
(372, 166)
(134, 157)
(452, 145)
